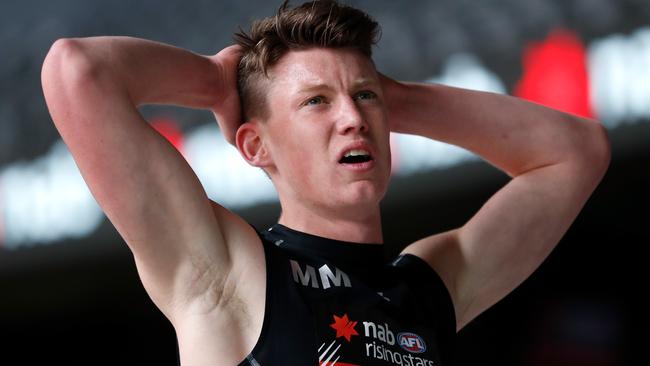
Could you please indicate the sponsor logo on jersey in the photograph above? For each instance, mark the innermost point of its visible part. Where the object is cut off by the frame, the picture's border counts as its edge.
(344, 327)
(411, 342)
(378, 331)
(330, 354)
(327, 277)
(380, 343)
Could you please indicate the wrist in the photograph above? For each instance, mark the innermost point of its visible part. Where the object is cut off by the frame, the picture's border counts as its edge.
(394, 101)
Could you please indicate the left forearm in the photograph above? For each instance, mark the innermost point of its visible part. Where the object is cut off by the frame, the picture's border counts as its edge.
(514, 135)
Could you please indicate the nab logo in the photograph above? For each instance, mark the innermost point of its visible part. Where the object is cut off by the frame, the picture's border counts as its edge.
(411, 342)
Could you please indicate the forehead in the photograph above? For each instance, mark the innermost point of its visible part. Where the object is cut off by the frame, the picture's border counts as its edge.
(299, 70)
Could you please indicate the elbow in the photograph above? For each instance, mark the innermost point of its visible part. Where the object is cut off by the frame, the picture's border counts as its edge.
(595, 150)
(60, 55)
(66, 77)
(601, 150)
(66, 66)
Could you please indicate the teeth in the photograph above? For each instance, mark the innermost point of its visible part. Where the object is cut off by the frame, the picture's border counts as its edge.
(356, 153)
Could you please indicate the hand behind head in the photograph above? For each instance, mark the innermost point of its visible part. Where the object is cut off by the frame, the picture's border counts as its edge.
(227, 107)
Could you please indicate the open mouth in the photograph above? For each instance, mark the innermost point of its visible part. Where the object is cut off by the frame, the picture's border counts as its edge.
(356, 157)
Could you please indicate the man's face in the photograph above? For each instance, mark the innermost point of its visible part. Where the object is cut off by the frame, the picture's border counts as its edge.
(328, 132)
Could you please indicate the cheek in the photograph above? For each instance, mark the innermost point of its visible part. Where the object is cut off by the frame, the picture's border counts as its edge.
(300, 159)
(300, 164)
(301, 151)
(310, 172)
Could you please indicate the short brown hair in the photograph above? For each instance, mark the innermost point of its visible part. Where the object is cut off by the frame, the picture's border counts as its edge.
(321, 23)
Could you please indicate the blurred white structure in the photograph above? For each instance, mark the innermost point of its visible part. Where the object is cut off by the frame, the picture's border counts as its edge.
(46, 200)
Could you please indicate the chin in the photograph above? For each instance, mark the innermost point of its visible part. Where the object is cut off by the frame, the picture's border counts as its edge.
(362, 194)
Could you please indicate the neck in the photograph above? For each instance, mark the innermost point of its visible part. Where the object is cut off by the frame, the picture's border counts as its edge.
(352, 227)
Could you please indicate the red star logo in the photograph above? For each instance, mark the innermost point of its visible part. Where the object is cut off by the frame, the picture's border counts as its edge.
(344, 327)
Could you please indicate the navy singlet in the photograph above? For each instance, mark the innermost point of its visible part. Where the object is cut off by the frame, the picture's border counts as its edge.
(336, 303)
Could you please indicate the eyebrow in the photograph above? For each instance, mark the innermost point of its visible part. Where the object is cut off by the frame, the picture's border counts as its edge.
(320, 86)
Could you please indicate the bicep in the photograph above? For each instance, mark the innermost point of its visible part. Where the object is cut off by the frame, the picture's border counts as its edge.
(509, 237)
(145, 187)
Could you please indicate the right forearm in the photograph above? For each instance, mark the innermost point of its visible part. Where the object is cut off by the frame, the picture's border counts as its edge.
(150, 72)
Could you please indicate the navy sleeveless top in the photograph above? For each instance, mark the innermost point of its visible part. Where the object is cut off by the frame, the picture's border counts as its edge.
(331, 302)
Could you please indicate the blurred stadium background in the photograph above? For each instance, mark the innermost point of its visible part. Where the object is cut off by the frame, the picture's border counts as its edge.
(69, 290)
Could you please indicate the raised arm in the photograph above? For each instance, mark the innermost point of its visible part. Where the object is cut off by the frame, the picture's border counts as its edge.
(555, 160)
(182, 242)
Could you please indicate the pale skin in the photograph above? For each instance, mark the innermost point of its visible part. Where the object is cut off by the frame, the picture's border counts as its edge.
(204, 266)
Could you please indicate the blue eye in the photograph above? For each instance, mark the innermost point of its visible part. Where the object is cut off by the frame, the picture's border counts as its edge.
(366, 94)
(317, 100)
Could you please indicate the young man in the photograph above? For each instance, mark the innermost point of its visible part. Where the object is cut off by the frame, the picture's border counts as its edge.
(316, 117)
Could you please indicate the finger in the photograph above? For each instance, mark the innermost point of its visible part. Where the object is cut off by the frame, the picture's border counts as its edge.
(230, 54)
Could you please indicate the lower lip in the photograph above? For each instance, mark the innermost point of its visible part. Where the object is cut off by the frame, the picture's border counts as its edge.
(359, 167)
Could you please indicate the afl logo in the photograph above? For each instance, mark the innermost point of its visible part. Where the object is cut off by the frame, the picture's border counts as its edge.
(411, 342)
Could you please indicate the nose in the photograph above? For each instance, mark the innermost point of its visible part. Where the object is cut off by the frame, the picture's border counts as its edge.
(351, 119)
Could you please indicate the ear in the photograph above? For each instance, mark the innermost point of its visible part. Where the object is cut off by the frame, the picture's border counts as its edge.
(250, 143)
